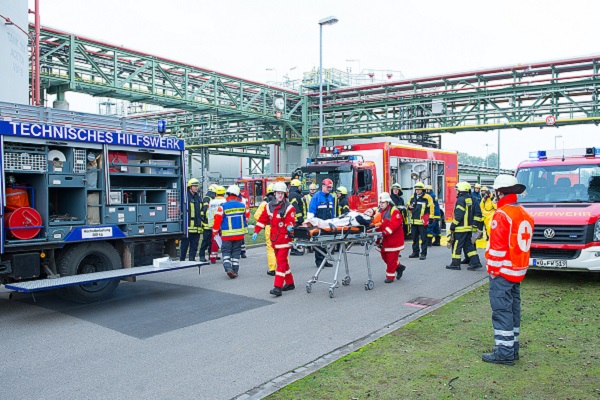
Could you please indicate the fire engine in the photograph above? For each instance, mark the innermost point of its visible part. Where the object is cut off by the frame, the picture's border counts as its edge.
(254, 188)
(368, 169)
(563, 197)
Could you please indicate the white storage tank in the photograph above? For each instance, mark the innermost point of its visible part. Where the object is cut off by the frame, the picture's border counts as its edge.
(14, 54)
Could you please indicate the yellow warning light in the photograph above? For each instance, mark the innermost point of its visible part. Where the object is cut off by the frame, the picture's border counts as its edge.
(42, 255)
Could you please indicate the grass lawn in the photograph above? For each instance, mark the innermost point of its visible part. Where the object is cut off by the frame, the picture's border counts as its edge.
(439, 355)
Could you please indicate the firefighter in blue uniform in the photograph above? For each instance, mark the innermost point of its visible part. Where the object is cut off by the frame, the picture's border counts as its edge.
(322, 206)
(434, 232)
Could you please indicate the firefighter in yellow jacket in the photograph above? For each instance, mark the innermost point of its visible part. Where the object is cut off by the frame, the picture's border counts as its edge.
(488, 207)
(271, 260)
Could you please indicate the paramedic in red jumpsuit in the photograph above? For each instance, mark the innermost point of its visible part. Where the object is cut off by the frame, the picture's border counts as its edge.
(281, 216)
(393, 237)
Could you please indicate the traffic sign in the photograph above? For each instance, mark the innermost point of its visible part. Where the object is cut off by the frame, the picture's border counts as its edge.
(550, 120)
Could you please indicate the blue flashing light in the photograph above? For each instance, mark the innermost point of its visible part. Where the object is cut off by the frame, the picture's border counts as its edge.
(162, 126)
(541, 154)
(533, 154)
(352, 158)
(336, 150)
(308, 160)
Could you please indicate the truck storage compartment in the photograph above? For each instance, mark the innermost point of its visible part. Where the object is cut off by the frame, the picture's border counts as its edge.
(150, 213)
(169, 227)
(55, 180)
(25, 265)
(120, 214)
(67, 205)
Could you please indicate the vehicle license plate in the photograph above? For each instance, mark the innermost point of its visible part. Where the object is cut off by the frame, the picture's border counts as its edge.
(550, 263)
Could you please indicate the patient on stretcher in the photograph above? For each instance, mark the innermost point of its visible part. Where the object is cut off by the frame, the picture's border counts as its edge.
(352, 218)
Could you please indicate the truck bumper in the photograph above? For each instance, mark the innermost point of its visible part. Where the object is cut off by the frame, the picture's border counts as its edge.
(588, 260)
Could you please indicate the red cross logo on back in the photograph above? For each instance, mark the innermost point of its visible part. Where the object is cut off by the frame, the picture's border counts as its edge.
(524, 235)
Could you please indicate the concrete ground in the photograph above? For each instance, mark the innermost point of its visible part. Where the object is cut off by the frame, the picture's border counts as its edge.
(187, 335)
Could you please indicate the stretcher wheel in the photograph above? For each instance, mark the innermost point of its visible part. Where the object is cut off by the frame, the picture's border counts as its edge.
(369, 285)
(346, 281)
(308, 288)
(331, 293)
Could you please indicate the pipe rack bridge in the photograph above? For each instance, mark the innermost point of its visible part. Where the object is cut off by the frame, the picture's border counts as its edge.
(214, 111)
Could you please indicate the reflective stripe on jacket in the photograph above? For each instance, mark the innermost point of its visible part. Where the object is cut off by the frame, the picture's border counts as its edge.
(232, 218)
(194, 217)
(463, 214)
(510, 241)
(421, 208)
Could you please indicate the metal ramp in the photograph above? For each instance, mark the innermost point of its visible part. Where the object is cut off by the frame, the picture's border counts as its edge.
(55, 283)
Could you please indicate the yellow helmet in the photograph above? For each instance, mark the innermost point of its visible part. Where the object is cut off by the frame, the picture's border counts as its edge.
(477, 186)
(463, 186)
(396, 186)
(428, 187)
(295, 182)
(212, 187)
(193, 182)
(419, 185)
(313, 186)
(270, 188)
(220, 190)
(342, 190)
(484, 189)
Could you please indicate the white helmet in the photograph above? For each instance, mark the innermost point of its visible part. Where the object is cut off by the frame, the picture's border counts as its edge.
(234, 190)
(385, 196)
(280, 187)
(508, 184)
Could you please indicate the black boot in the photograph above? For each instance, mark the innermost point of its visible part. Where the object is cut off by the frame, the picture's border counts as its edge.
(453, 265)
(494, 358)
(285, 288)
(276, 291)
(422, 256)
(475, 267)
(438, 240)
(388, 280)
(400, 271)
(465, 261)
(272, 273)
(413, 255)
(429, 239)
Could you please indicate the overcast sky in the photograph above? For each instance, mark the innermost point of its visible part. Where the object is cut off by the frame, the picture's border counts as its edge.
(418, 38)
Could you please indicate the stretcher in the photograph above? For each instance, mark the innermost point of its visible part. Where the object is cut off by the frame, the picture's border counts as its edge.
(325, 241)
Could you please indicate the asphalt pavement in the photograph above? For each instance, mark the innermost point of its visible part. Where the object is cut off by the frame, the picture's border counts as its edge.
(190, 335)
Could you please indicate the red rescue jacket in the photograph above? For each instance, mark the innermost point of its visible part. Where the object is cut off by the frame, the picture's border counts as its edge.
(391, 229)
(279, 216)
(510, 240)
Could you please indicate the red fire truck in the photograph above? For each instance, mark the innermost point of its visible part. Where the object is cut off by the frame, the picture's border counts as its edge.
(563, 197)
(368, 169)
(254, 188)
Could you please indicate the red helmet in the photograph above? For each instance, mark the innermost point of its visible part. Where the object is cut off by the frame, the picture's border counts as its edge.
(327, 182)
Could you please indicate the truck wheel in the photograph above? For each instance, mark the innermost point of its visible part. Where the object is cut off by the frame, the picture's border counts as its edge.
(86, 258)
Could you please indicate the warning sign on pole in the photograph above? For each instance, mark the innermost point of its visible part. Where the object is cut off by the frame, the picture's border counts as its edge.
(550, 120)
(278, 114)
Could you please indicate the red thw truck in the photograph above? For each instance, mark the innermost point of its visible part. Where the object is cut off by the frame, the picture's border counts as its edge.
(368, 169)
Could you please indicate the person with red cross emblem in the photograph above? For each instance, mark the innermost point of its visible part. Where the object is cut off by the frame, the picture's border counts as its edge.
(507, 261)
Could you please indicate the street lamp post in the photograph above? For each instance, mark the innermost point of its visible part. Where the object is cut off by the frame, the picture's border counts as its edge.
(325, 21)
(487, 154)
(556, 137)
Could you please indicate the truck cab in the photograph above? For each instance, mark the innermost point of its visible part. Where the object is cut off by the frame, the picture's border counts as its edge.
(563, 196)
(350, 171)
